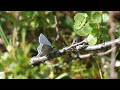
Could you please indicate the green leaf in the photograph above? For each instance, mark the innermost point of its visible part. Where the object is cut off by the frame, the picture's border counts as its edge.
(96, 17)
(80, 16)
(91, 39)
(93, 25)
(62, 76)
(3, 37)
(84, 31)
(105, 17)
(69, 21)
(10, 17)
(80, 20)
(95, 32)
(117, 31)
(104, 34)
(1, 67)
(80, 26)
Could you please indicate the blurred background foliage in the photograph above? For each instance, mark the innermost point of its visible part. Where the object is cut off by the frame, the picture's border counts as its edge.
(21, 30)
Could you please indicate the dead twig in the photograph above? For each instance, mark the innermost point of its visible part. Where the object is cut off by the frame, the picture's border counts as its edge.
(75, 47)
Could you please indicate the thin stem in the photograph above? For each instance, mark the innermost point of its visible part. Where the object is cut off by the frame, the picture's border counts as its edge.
(3, 37)
(100, 72)
(113, 57)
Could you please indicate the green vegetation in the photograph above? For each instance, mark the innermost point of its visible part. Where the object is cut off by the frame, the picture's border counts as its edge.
(19, 33)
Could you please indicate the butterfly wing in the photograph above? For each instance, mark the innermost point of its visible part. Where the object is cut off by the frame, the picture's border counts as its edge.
(44, 50)
(45, 46)
(39, 50)
(43, 40)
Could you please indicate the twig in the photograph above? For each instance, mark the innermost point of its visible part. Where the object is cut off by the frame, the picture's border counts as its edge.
(100, 72)
(86, 56)
(98, 54)
(37, 60)
(56, 28)
(59, 37)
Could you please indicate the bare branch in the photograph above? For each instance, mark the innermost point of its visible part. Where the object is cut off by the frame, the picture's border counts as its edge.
(111, 33)
(37, 60)
(99, 46)
(86, 56)
(56, 28)
(59, 37)
(98, 54)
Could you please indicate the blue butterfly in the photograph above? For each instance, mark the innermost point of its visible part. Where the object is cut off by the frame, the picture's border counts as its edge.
(45, 46)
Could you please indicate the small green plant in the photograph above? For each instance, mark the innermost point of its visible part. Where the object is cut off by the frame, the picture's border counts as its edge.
(90, 26)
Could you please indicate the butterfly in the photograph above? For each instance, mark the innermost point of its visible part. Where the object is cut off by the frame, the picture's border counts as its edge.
(45, 46)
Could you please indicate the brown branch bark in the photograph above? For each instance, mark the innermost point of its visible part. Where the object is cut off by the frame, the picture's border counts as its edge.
(111, 33)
